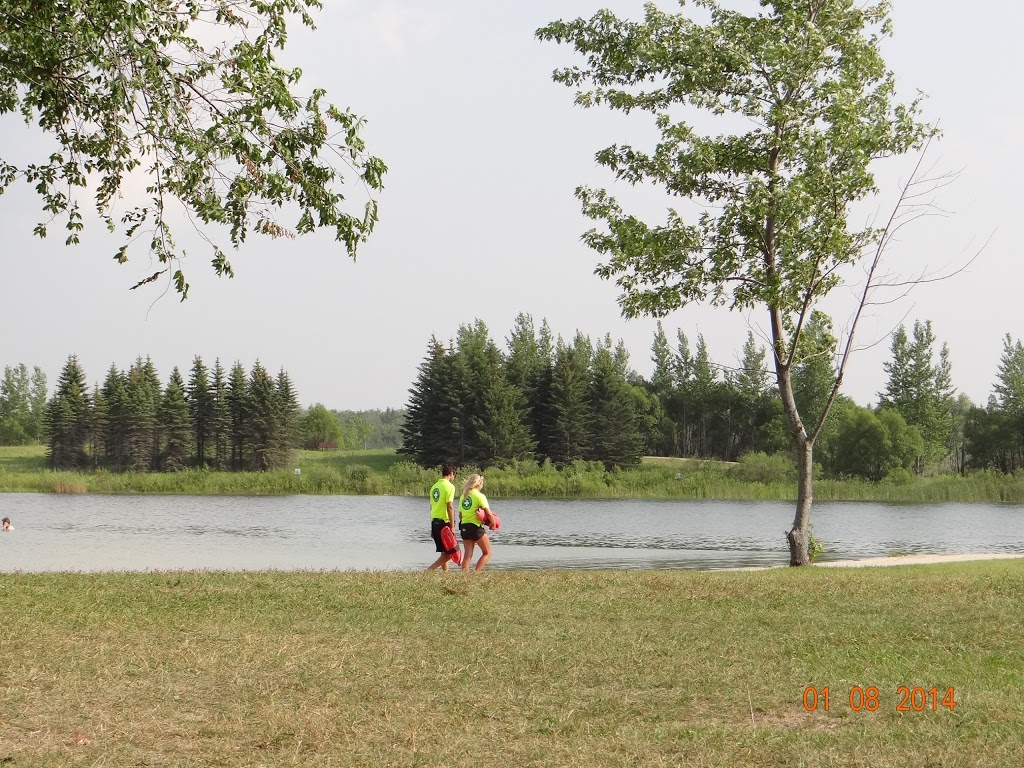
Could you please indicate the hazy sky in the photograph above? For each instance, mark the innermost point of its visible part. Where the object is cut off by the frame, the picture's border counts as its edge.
(478, 219)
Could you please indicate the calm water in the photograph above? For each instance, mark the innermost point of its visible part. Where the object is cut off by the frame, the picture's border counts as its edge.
(93, 533)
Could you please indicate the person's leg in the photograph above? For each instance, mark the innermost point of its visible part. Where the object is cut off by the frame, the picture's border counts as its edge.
(442, 555)
(468, 555)
(441, 562)
(485, 551)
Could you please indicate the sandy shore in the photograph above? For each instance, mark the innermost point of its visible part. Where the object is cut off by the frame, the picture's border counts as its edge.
(916, 560)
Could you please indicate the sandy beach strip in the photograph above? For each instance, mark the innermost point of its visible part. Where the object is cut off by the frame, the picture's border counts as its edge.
(918, 559)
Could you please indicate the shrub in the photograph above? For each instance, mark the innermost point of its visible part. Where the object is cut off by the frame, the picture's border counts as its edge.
(898, 476)
(760, 467)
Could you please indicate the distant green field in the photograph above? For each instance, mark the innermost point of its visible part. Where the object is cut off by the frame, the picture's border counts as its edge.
(23, 469)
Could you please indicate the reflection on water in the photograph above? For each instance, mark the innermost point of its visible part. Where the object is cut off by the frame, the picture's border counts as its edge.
(91, 533)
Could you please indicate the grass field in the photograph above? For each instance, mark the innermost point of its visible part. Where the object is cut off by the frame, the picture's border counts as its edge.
(513, 669)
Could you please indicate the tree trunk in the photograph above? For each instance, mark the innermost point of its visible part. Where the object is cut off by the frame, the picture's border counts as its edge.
(799, 535)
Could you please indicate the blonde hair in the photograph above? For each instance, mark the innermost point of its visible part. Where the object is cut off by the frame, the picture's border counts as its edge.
(473, 481)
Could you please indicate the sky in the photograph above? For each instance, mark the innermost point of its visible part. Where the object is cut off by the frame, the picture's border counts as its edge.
(478, 218)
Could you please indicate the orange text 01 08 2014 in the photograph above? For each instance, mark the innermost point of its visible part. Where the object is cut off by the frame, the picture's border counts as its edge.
(867, 699)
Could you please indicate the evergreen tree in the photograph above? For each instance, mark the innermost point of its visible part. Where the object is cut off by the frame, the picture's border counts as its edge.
(262, 426)
(430, 435)
(142, 399)
(100, 422)
(175, 424)
(236, 399)
(570, 402)
(67, 425)
(539, 401)
(220, 419)
(525, 361)
(118, 426)
(502, 427)
(152, 381)
(288, 419)
(474, 358)
(200, 407)
(614, 437)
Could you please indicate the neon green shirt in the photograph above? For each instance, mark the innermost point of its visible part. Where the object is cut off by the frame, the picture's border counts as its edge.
(470, 504)
(441, 493)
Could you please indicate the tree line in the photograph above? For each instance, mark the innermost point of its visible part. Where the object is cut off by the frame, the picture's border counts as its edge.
(543, 399)
(22, 405)
(373, 429)
(547, 399)
(221, 419)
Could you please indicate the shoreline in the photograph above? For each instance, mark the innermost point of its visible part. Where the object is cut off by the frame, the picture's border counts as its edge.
(923, 559)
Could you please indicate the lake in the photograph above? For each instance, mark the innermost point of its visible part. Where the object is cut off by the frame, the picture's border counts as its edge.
(138, 533)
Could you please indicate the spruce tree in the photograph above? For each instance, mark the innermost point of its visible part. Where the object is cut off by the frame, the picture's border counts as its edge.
(200, 406)
(142, 399)
(429, 432)
(614, 437)
(118, 420)
(236, 399)
(175, 425)
(100, 423)
(569, 439)
(220, 419)
(502, 425)
(525, 362)
(288, 419)
(67, 425)
(539, 402)
(261, 425)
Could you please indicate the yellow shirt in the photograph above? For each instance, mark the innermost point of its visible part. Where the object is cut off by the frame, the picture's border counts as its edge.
(441, 493)
(470, 504)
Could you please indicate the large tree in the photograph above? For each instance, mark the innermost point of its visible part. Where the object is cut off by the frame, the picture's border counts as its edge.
(186, 97)
(764, 222)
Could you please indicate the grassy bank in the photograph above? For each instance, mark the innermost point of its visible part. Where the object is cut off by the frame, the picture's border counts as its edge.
(512, 669)
(23, 469)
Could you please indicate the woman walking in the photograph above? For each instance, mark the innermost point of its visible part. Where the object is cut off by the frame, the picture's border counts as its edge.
(474, 514)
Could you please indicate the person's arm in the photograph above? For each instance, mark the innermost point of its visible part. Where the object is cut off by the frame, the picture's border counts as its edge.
(486, 507)
(451, 515)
